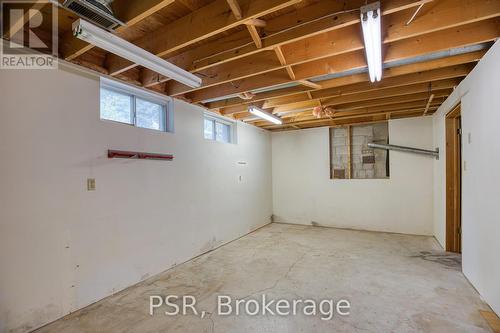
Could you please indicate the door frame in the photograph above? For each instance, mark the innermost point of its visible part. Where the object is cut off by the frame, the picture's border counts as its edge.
(453, 137)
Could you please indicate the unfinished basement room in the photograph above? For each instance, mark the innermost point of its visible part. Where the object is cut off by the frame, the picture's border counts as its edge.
(226, 166)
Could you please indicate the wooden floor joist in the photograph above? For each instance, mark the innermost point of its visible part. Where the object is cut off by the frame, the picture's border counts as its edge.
(471, 57)
(400, 50)
(348, 39)
(319, 15)
(290, 56)
(195, 27)
(130, 12)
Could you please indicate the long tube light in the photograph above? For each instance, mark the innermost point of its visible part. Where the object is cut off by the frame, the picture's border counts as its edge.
(370, 22)
(114, 44)
(264, 115)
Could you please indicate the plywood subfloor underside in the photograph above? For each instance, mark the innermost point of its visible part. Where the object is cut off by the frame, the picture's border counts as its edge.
(395, 283)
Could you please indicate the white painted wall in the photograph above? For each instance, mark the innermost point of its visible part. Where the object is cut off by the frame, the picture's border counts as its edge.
(303, 192)
(480, 97)
(62, 247)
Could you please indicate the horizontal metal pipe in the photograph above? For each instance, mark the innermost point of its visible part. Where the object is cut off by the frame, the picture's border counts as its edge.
(434, 153)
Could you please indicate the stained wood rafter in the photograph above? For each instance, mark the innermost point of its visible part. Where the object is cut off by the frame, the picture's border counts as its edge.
(130, 12)
(314, 19)
(292, 92)
(294, 48)
(195, 27)
(399, 50)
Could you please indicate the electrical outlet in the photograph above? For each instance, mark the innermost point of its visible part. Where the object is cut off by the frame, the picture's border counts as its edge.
(90, 184)
(469, 137)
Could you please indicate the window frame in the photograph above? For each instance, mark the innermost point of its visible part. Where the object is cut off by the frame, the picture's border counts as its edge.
(137, 93)
(221, 120)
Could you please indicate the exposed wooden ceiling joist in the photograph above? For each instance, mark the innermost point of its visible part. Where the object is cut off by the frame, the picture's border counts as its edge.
(203, 23)
(290, 56)
(344, 116)
(390, 82)
(302, 23)
(401, 49)
(129, 12)
(344, 40)
(379, 98)
(336, 82)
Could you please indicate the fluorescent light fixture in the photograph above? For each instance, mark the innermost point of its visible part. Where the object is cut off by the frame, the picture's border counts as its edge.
(370, 22)
(264, 115)
(114, 44)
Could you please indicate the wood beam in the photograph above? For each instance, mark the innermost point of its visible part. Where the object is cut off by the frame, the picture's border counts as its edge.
(309, 84)
(349, 39)
(389, 92)
(361, 78)
(130, 12)
(445, 14)
(469, 34)
(254, 33)
(280, 55)
(256, 22)
(301, 23)
(353, 119)
(235, 8)
(310, 119)
(251, 24)
(368, 95)
(454, 73)
(383, 108)
(394, 100)
(390, 82)
(402, 49)
(381, 111)
(203, 23)
(431, 97)
(318, 15)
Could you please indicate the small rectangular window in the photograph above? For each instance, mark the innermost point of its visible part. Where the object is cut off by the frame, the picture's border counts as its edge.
(125, 104)
(150, 115)
(218, 129)
(116, 106)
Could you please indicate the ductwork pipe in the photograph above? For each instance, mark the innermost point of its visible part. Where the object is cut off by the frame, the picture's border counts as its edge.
(434, 153)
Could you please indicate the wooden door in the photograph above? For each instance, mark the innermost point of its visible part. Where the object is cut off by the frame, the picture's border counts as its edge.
(454, 181)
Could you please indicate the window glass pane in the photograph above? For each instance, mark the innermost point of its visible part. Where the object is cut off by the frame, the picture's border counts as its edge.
(221, 132)
(116, 106)
(149, 115)
(209, 129)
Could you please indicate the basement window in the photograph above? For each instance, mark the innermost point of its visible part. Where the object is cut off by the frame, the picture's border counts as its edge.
(128, 105)
(350, 156)
(218, 129)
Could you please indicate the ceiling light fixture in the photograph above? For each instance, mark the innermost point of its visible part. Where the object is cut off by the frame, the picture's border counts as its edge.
(370, 22)
(264, 115)
(114, 44)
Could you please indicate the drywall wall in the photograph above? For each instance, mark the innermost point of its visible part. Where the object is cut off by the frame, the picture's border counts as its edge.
(304, 193)
(480, 100)
(62, 247)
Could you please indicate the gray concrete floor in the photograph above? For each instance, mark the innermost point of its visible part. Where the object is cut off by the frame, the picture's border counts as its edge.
(395, 283)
